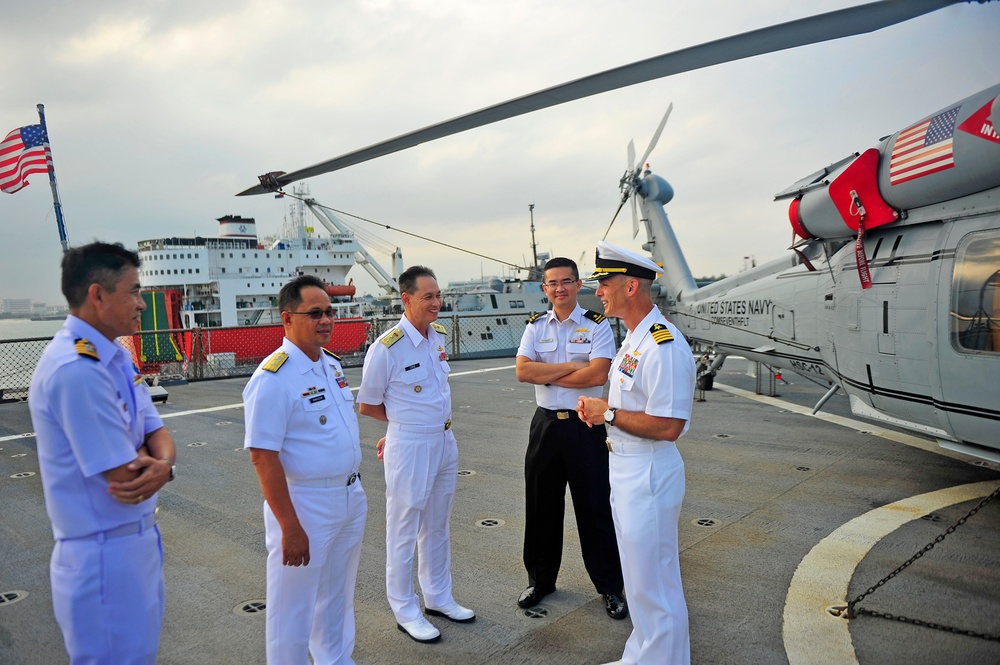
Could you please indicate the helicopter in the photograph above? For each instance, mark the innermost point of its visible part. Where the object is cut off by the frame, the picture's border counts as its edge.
(891, 293)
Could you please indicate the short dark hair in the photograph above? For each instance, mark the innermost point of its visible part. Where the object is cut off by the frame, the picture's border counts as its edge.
(290, 295)
(562, 262)
(408, 278)
(97, 263)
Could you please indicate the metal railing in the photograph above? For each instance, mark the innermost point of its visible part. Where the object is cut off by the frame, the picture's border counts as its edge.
(211, 353)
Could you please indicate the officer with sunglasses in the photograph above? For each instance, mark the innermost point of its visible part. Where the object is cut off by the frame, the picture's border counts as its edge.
(304, 442)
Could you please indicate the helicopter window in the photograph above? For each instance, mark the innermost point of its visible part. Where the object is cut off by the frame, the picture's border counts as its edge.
(975, 294)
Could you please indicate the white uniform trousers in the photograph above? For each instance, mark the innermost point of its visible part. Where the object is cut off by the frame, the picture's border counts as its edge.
(310, 609)
(421, 474)
(647, 488)
(108, 597)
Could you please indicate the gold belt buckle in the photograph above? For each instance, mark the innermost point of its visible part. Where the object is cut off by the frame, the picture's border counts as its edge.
(607, 442)
(562, 415)
(447, 424)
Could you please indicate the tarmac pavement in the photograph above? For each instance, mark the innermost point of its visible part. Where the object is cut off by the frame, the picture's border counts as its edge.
(781, 508)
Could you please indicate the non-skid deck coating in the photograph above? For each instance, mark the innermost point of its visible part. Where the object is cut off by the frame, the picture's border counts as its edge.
(787, 498)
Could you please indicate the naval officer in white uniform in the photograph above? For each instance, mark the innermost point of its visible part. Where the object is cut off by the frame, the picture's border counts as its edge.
(648, 408)
(103, 454)
(304, 443)
(405, 383)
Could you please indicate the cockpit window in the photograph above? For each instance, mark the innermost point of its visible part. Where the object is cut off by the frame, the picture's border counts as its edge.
(975, 294)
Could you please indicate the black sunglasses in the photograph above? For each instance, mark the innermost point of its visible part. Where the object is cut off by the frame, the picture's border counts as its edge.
(317, 314)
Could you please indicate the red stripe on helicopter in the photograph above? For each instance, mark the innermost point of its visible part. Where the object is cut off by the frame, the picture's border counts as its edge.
(978, 124)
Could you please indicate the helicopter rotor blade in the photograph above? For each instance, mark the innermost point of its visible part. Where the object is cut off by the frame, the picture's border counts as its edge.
(656, 136)
(635, 218)
(810, 30)
(631, 156)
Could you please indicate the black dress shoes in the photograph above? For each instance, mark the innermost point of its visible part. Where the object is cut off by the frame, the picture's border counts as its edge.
(615, 605)
(533, 595)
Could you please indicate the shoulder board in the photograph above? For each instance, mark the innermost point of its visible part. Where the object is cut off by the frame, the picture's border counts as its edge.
(85, 348)
(534, 317)
(661, 333)
(275, 362)
(394, 336)
(594, 316)
(331, 354)
(438, 327)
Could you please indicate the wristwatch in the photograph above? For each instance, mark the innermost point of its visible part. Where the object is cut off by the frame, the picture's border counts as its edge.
(609, 416)
(173, 467)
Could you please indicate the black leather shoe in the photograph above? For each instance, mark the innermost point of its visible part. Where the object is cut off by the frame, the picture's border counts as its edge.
(532, 596)
(615, 605)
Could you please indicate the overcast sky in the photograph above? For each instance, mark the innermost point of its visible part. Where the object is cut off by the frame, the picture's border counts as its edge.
(160, 112)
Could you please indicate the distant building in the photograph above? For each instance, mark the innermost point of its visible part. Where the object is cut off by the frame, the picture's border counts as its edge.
(39, 308)
(17, 306)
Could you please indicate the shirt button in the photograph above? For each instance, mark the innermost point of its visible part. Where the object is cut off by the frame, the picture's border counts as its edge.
(322, 420)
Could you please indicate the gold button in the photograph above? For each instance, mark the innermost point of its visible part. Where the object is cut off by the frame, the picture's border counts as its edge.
(417, 389)
(322, 420)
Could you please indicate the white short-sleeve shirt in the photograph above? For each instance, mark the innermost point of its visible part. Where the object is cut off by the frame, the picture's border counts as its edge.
(653, 377)
(582, 337)
(304, 410)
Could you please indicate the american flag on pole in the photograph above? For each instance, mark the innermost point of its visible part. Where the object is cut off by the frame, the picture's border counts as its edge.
(24, 151)
(924, 148)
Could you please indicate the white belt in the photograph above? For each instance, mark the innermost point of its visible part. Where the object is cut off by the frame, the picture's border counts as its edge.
(423, 429)
(336, 481)
(130, 529)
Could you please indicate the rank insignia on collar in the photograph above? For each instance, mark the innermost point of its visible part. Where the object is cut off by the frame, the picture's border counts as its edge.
(393, 336)
(275, 362)
(86, 348)
(660, 333)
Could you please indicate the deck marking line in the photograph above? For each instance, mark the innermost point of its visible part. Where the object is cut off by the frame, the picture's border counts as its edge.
(240, 404)
(810, 634)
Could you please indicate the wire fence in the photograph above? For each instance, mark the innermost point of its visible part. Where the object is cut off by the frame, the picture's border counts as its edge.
(213, 353)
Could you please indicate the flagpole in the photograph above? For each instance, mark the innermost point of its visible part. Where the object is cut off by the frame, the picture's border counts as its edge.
(52, 183)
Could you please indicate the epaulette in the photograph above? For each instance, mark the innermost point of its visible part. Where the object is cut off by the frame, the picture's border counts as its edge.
(275, 362)
(594, 316)
(331, 354)
(85, 348)
(394, 336)
(661, 333)
(438, 327)
(534, 317)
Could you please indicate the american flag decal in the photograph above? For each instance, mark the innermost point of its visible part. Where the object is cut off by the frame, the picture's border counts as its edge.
(924, 148)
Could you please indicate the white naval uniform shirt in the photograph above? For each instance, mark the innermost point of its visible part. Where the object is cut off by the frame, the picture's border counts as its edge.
(90, 415)
(305, 411)
(577, 339)
(410, 377)
(657, 379)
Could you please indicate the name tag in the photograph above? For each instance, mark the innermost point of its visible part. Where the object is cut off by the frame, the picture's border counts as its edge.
(413, 366)
(317, 398)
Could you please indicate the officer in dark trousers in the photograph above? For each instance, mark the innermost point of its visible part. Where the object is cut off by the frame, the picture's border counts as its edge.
(566, 352)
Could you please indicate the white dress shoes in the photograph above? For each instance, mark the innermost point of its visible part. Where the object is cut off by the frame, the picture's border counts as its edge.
(453, 611)
(421, 630)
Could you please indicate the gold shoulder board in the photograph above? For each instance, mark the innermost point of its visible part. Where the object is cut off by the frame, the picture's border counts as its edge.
(534, 317)
(85, 348)
(594, 316)
(661, 333)
(331, 354)
(438, 327)
(394, 336)
(275, 362)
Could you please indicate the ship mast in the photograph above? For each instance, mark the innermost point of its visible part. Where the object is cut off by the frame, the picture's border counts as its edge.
(534, 245)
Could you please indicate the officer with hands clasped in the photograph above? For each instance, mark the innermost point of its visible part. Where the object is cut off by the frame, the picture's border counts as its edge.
(304, 442)
(566, 352)
(103, 454)
(648, 408)
(405, 383)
